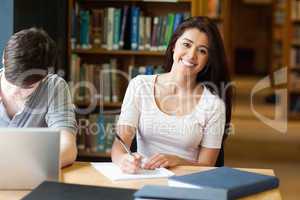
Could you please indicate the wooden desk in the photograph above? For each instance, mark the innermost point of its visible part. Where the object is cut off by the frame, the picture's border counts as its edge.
(84, 173)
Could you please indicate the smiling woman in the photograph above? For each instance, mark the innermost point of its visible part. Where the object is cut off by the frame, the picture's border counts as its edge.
(179, 117)
(190, 52)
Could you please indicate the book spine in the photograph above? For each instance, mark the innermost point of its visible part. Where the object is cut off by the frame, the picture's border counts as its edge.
(106, 84)
(123, 27)
(76, 77)
(95, 28)
(163, 30)
(78, 26)
(91, 86)
(133, 71)
(74, 59)
(96, 82)
(158, 32)
(87, 141)
(149, 70)
(105, 29)
(142, 32)
(130, 67)
(110, 128)
(87, 80)
(178, 19)
(134, 28)
(84, 29)
(219, 8)
(186, 15)
(110, 28)
(101, 136)
(142, 70)
(93, 131)
(117, 24)
(114, 80)
(212, 8)
(82, 131)
(74, 28)
(293, 57)
(81, 95)
(170, 27)
(154, 34)
(298, 11)
(109, 137)
(159, 70)
(148, 33)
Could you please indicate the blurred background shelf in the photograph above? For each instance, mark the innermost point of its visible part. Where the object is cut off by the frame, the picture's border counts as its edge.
(118, 52)
(105, 105)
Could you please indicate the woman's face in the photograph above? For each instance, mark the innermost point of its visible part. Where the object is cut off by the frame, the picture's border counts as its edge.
(191, 52)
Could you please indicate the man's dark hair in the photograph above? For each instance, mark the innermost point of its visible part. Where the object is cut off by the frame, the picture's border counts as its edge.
(28, 55)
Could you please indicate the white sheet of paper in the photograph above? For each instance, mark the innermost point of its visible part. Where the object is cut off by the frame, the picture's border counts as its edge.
(114, 173)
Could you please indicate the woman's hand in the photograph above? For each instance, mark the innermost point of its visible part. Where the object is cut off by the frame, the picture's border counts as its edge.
(162, 160)
(131, 163)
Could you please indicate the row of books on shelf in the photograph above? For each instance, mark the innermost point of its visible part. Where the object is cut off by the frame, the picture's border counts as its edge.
(214, 8)
(296, 34)
(133, 71)
(98, 82)
(295, 57)
(295, 10)
(294, 105)
(295, 81)
(278, 33)
(115, 28)
(96, 132)
(101, 82)
(277, 48)
(279, 12)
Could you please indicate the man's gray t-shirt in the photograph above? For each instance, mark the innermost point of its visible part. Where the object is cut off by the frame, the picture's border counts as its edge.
(50, 105)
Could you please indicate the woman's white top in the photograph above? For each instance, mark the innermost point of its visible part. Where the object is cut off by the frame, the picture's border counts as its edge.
(158, 132)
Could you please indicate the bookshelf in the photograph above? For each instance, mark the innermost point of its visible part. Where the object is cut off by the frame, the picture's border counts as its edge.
(100, 51)
(279, 30)
(219, 11)
(286, 51)
(293, 58)
(98, 41)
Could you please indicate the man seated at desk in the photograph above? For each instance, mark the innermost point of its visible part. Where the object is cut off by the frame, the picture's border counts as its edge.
(30, 96)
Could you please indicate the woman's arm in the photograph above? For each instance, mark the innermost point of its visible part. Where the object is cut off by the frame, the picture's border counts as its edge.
(128, 163)
(207, 157)
(127, 134)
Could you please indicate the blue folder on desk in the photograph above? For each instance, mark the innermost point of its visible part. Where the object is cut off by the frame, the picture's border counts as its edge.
(232, 183)
(156, 192)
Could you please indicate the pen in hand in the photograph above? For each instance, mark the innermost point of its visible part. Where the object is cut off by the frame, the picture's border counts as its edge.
(134, 158)
(123, 145)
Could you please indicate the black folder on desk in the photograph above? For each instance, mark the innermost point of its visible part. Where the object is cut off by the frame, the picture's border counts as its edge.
(62, 191)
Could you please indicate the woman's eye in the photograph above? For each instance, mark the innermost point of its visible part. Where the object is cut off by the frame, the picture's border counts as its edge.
(203, 51)
(185, 44)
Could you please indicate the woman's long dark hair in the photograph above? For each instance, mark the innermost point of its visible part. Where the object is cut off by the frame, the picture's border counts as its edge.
(215, 74)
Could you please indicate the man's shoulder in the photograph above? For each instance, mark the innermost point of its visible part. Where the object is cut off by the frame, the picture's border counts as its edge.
(53, 80)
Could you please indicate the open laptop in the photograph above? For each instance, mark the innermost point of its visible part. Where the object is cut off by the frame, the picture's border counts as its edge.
(28, 156)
